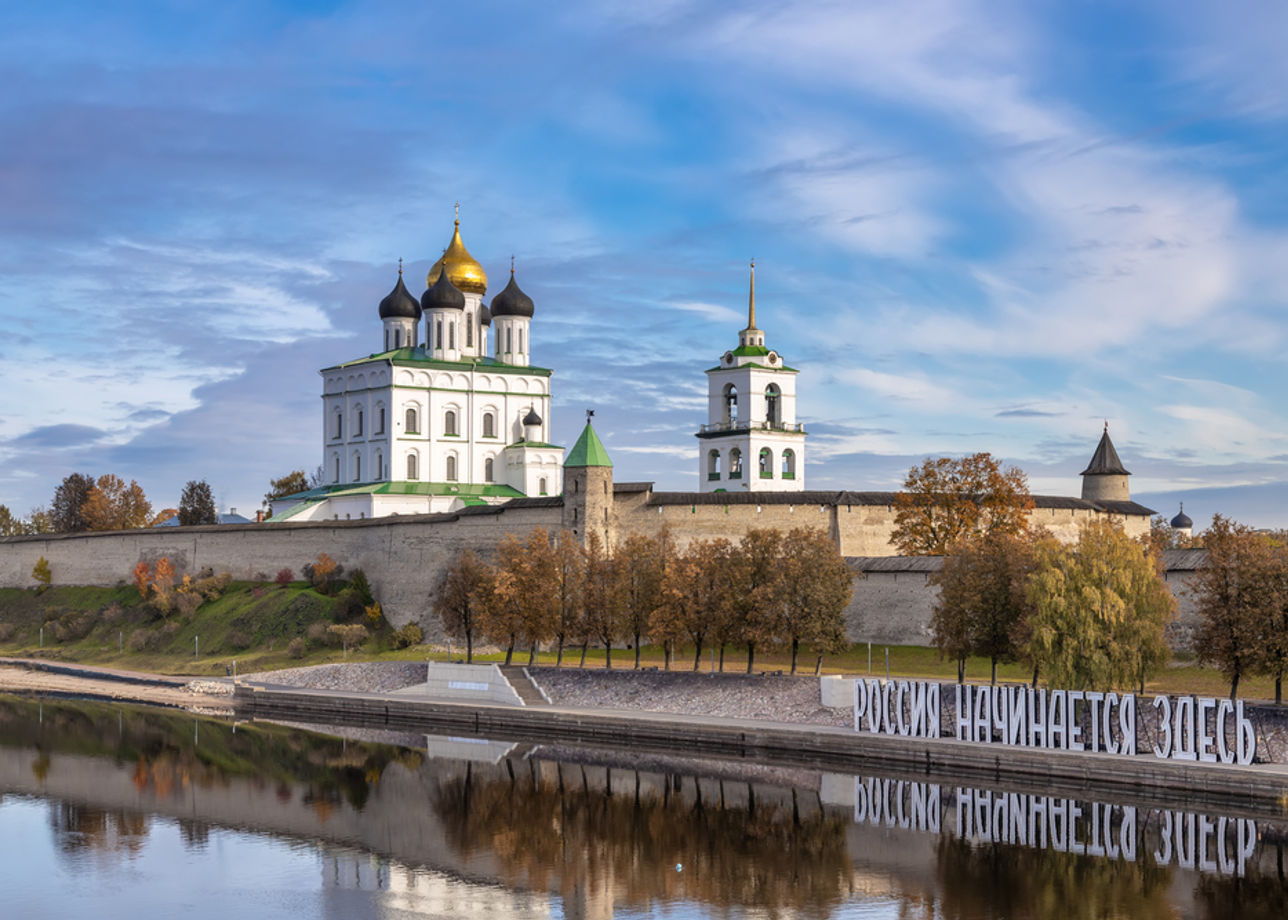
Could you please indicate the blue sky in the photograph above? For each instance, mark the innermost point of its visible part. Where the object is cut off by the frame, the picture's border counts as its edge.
(977, 225)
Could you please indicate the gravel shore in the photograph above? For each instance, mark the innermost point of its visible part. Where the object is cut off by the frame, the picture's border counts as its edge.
(733, 696)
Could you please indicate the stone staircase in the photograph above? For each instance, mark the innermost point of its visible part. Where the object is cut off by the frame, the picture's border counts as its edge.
(523, 685)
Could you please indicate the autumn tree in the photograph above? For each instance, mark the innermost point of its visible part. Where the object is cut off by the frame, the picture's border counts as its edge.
(65, 511)
(1238, 589)
(642, 564)
(457, 597)
(815, 588)
(42, 573)
(605, 596)
(755, 589)
(197, 504)
(293, 482)
(567, 568)
(982, 601)
(695, 595)
(521, 605)
(322, 571)
(944, 500)
(10, 525)
(39, 521)
(1099, 610)
(112, 505)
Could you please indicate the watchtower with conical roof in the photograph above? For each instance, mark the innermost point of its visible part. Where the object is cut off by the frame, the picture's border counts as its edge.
(588, 487)
(1105, 478)
(751, 441)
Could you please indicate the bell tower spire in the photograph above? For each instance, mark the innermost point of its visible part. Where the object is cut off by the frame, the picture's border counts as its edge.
(751, 336)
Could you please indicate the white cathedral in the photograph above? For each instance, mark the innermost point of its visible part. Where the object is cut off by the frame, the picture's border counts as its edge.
(436, 421)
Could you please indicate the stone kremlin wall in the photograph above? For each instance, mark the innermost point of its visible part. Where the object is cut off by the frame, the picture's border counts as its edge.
(403, 556)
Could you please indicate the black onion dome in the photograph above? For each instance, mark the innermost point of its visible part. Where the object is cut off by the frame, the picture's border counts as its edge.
(443, 295)
(399, 304)
(512, 301)
(532, 418)
(1182, 520)
(485, 315)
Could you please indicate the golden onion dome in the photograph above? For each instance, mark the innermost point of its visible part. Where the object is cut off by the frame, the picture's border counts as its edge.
(463, 270)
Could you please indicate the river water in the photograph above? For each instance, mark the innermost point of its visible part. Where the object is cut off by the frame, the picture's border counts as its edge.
(132, 812)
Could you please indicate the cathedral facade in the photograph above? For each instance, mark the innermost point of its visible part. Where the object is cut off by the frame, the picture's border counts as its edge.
(449, 413)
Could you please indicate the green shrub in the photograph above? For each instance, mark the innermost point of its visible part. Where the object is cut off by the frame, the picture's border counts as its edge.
(142, 640)
(348, 606)
(295, 648)
(359, 584)
(409, 635)
(74, 625)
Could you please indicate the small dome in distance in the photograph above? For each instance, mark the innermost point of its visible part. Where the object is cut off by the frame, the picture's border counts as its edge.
(398, 303)
(512, 301)
(1182, 520)
(443, 295)
(531, 418)
(485, 315)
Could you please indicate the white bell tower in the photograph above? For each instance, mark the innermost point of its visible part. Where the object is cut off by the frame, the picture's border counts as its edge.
(752, 441)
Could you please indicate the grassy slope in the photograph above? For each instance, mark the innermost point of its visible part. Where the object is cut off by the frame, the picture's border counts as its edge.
(270, 616)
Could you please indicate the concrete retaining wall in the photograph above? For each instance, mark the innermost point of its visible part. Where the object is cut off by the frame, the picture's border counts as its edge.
(479, 683)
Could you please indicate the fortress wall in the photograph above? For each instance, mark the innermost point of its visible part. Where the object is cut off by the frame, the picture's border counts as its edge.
(404, 556)
(401, 556)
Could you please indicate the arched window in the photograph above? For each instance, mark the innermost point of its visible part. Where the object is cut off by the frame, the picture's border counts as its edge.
(397, 338)
(520, 340)
(713, 464)
(413, 467)
(357, 424)
(489, 425)
(735, 464)
(438, 335)
(730, 404)
(451, 336)
(336, 477)
(380, 465)
(766, 463)
(386, 339)
(773, 405)
(509, 340)
(380, 420)
(339, 424)
(412, 426)
(541, 485)
(449, 422)
(469, 332)
(487, 470)
(357, 467)
(789, 464)
(451, 467)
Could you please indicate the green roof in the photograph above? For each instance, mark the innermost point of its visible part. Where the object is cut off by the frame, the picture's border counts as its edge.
(417, 357)
(746, 351)
(588, 451)
(762, 367)
(532, 444)
(458, 489)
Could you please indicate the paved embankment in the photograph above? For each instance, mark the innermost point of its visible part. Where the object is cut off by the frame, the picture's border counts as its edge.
(1264, 785)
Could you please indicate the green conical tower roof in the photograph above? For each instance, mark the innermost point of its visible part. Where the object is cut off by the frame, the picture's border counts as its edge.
(588, 451)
